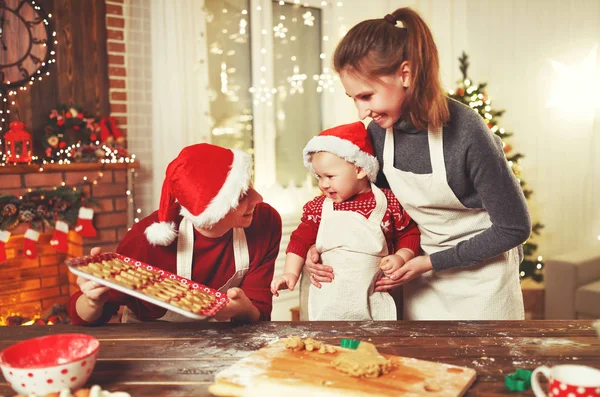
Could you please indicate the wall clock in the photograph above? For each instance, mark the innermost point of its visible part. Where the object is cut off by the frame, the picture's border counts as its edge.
(26, 46)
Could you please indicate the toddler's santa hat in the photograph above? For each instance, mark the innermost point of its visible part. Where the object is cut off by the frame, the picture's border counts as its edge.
(202, 184)
(350, 142)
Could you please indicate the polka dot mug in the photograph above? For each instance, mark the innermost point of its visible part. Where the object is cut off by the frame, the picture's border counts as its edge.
(567, 381)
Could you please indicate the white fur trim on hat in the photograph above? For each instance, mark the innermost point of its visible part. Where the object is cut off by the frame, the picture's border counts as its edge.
(344, 149)
(161, 233)
(237, 183)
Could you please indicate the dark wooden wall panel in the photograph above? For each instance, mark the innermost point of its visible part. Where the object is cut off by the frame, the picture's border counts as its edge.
(80, 75)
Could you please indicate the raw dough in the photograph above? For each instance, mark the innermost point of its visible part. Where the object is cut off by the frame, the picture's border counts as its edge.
(296, 343)
(365, 361)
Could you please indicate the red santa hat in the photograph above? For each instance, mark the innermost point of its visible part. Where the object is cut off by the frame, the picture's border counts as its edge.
(350, 142)
(202, 184)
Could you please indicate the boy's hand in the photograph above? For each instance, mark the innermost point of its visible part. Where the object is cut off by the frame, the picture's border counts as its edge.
(239, 307)
(286, 280)
(95, 293)
(391, 263)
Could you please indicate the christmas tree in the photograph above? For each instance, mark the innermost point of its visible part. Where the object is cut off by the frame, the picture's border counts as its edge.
(474, 96)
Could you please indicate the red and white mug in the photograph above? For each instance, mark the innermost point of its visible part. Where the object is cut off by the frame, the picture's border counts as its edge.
(567, 381)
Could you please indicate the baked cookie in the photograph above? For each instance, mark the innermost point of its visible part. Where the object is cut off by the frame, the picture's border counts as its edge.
(151, 283)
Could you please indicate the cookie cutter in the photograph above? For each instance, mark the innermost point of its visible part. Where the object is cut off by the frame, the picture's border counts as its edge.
(349, 343)
(520, 380)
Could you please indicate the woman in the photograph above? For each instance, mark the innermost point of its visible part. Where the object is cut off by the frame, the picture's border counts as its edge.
(446, 169)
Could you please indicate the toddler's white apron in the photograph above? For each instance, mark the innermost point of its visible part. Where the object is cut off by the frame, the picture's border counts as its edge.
(353, 246)
(487, 291)
(185, 249)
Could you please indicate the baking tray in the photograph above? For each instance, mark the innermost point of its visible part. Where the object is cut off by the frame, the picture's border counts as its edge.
(209, 311)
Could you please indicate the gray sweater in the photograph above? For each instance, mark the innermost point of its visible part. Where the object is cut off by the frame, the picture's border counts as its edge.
(477, 173)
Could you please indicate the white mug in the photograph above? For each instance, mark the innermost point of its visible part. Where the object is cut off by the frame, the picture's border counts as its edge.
(567, 381)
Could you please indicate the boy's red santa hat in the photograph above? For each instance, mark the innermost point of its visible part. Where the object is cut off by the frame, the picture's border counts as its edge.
(350, 142)
(202, 184)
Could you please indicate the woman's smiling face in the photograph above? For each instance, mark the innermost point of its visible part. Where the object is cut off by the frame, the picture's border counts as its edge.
(379, 99)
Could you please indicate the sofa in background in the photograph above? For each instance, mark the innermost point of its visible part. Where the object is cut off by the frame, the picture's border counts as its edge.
(572, 286)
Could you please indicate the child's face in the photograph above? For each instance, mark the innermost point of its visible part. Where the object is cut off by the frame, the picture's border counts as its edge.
(379, 99)
(338, 179)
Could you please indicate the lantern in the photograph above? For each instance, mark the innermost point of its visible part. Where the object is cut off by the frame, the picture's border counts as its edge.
(17, 144)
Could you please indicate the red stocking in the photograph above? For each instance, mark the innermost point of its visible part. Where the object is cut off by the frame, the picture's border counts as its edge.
(4, 236)
(59, 239)
(31, 237)
(84, 223)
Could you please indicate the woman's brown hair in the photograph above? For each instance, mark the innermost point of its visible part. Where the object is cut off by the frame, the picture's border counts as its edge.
(377, 47)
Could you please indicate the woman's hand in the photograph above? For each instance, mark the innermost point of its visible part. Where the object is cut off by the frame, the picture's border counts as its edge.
(239, 308)
(319, 273)
(411, 269)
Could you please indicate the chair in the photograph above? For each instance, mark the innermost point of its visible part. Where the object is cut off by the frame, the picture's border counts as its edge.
(573, 286)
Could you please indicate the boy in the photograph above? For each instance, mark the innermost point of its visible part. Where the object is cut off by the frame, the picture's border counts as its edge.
(354, 225)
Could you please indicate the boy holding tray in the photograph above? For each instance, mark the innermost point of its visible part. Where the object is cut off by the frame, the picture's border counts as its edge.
(212, 227)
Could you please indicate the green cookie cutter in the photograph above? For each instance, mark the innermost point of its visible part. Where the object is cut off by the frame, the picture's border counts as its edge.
(519, 380)
(349, 343)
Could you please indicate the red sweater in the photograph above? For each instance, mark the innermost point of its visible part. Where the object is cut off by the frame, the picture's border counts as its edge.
(213, 264)
(399, 229)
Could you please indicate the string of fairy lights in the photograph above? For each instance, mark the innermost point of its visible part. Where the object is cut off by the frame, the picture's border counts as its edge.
(263, 92)
(43, 71)
(65, 155)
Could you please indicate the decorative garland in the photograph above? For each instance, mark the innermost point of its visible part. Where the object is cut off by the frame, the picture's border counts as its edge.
(61, 208)
(40, 208)
(72, 134)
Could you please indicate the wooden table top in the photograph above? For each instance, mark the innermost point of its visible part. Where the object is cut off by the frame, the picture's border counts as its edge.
(181, 359)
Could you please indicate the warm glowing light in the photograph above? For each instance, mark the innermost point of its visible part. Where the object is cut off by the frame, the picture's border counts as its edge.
(575, 86)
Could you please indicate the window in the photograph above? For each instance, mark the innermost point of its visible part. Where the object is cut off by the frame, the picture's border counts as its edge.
(264, 67)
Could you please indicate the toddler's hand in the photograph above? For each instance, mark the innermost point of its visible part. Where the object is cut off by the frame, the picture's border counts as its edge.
(391, 263)
(285, 281)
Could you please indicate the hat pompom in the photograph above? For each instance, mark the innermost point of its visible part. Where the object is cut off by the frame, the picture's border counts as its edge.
(161, 233)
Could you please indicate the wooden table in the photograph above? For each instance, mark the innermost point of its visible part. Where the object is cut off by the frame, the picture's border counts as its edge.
(162, 359)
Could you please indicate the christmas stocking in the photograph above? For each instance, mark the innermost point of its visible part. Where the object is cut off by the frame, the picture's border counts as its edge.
(59, 238)
(84, 223)
(31, 237)
(4, 236)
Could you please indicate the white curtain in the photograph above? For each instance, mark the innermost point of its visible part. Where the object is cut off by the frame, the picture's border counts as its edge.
(180, 81)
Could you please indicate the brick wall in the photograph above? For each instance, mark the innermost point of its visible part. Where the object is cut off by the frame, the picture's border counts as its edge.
(29, 286)
(130, 70)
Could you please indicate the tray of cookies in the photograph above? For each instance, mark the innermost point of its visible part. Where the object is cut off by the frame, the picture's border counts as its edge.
(150, 284)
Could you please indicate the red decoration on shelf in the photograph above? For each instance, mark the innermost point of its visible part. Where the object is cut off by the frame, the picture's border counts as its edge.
(84, 227)
(18, 145)
(4, 236)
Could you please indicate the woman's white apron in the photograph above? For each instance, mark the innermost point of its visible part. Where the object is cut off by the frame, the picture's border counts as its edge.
(185, 249)
(487, 291)
(353, 246)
